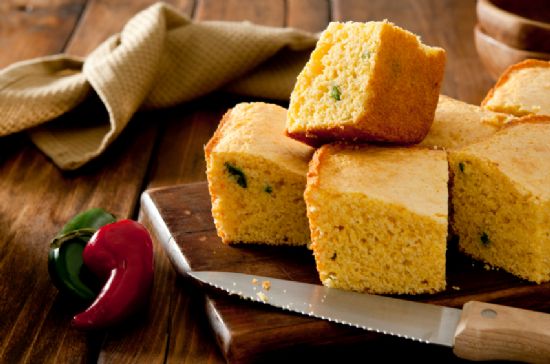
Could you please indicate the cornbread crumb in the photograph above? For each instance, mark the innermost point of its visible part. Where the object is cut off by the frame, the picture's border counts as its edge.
(256, 178)
(501, 198)
(456, 288)
(522, 89)
(367, 81)
(254, 281)
(266, 285)
(262, 296)
(380, 218)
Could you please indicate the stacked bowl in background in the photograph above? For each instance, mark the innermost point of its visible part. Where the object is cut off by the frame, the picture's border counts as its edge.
(509, 31)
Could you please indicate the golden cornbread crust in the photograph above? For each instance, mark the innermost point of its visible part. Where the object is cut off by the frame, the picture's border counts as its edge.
(216, 137)
(369, 238)
(256, 178)
(501, 198)
(506, 76)
(457, 124)
(366, 82)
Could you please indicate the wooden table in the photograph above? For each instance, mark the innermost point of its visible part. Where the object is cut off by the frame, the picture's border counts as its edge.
(160, 148)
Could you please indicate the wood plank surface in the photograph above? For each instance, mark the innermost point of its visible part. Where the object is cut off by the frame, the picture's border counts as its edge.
(310, 15)
(114, 182)
(265, 12)
(111, 15)
(36, 28)
(40, 199)
(146, 339)
(249, 331)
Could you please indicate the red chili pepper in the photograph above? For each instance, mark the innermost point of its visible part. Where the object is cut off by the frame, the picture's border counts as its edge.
(122, 254)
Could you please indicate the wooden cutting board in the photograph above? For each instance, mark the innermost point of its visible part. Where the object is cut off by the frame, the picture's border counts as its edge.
(179, 219)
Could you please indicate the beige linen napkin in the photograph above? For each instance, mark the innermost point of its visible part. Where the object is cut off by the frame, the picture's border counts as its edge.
(160, 58)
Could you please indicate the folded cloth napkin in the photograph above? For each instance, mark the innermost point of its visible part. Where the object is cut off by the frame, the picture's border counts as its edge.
(161, 58)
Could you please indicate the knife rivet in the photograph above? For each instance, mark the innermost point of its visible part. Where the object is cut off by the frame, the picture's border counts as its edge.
(489, 313)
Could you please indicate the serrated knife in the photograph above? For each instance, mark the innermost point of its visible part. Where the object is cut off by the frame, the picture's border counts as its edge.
(478, 331)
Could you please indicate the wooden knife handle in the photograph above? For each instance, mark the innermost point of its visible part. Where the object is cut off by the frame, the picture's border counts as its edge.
(493, 332)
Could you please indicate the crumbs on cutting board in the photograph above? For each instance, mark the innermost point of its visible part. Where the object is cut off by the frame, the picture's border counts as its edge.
(254, 281)
(266, 285)
(262, 296)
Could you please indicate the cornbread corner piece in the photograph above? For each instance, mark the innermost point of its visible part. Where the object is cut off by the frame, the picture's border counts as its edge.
(501, 198)
(523, 89)
(378, 218)
(256, 177)
(366, 82)
(457, 124)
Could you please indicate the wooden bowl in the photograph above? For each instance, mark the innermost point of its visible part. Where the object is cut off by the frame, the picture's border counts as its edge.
(519, 24)
(497, 56)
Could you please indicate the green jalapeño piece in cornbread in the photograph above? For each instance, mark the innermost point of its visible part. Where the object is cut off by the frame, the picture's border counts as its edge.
(501, 198)
(256, 177)
(457, 124)
(523, 89)
(366, 82)
(378, 218)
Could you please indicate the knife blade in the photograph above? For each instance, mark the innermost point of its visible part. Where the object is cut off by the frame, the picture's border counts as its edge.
(480, 331)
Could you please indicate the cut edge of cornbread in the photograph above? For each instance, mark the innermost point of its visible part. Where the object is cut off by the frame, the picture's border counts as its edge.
(512, 238)
(417, 263)
(277, 214)
(512, 108)
(382, 106)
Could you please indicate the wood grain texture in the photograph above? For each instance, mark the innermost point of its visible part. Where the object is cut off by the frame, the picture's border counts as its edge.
(41, 198)
(445, 23)
(264, 12)
(147, 338)
(185, 214)
(36, 28)
(494, 332)
(520, 25)
(114, 182)
(187, 128)
(103, 18)
(497, 56)
(310, 15)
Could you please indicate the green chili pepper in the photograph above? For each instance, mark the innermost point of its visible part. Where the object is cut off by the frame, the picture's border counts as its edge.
(90, 219)
(65, 265)
(236, 174)
(335, 93)
(484, 238)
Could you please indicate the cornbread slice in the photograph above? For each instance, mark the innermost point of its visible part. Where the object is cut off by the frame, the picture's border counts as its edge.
(457, 124)
(366, 82)
(378, 218)
(501, 198)
(256, 177)
(522, 89)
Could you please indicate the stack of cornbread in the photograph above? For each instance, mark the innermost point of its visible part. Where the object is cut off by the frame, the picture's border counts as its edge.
(372, 201)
